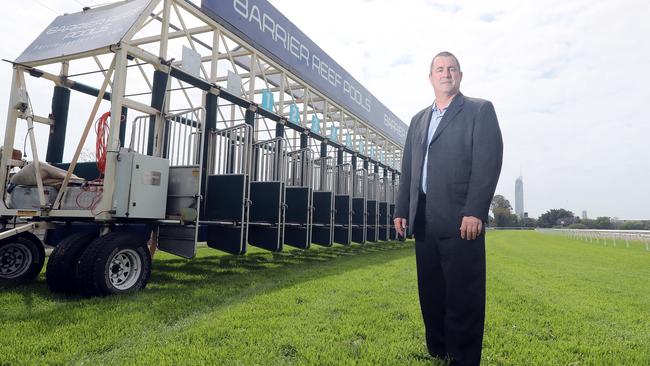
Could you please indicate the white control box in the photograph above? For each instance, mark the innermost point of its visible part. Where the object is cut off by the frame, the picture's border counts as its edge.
(141, 186)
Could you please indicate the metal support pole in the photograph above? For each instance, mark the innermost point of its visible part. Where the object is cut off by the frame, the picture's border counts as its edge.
(211, 106)
(304, 141)
(123, 119)
(279, 129)
(339, 157)
(354, 162)
(10, 130)
(323, 149)
(119, 84)
(158, 91)
(249, 118)
(56, 140)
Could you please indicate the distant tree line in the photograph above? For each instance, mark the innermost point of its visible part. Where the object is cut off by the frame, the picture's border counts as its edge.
(502, 216)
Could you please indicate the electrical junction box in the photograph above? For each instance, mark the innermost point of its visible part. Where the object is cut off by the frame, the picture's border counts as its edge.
(140, 186)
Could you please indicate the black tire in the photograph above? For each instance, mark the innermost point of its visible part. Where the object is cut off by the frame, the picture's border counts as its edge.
(62, 264)
(115, 263)
(21, 259)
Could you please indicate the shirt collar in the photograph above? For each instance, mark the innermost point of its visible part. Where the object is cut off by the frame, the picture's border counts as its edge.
(436, 110)
(435, 106)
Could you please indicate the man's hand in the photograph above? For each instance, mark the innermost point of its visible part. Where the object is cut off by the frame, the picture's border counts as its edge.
(471, 227)
(400, 225)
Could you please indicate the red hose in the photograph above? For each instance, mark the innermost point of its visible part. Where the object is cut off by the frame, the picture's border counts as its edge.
(101, 128)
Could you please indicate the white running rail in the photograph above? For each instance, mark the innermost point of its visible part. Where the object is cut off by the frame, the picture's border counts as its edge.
(612, 237)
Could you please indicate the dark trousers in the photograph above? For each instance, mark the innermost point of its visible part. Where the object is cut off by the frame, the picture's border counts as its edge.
(451, 284)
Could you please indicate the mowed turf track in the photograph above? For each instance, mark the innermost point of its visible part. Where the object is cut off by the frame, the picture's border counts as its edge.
(551, 301)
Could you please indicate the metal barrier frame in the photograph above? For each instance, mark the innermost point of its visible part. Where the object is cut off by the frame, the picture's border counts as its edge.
(372, 208)
(267, 194)
(343, 204)
(323, 202)
(359, 206)
(394, 186)
(299, 196)
(227, 185)
(383, 218)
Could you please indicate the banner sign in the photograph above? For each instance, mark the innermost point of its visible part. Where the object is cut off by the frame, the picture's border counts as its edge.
(262, 25)
(85, 31)
(294, 114)
(315, 124)
(267, 100)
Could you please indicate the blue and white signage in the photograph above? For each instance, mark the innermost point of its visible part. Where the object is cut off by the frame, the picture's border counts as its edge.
(85, 31)
(294, 114)
(262, 25)
(267, 100)
(315, 124)
(334, 134)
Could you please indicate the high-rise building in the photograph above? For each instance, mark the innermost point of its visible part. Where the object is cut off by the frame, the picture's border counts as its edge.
(584, 214)
(519, 197)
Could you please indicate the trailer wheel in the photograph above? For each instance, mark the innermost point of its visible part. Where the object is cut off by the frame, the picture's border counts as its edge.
(115, 263)
(21, 259)
(62, 264)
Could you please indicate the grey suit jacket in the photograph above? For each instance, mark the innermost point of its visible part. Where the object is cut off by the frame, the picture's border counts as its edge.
(464, 164)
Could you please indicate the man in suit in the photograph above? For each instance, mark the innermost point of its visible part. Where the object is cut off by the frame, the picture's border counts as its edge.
(450, 168)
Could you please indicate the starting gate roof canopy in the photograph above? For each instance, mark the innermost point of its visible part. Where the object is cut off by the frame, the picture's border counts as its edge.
(256, 22)
(90, 30)
(261, 24)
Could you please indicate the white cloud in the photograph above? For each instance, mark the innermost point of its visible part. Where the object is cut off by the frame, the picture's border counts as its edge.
(569, 81)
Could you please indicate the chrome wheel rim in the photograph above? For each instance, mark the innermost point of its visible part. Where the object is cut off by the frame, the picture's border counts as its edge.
(124, 269)
(15, 259)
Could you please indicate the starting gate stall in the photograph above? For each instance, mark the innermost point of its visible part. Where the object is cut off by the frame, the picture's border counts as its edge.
(372, 208)
(228, 188)
(359, 215)
(383, 217)
(183, 136)
(298, 214)
(267, 195)
(392, 192)
(343, 204)
(323, 202)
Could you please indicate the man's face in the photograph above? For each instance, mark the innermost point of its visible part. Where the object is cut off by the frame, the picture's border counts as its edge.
(445, 76)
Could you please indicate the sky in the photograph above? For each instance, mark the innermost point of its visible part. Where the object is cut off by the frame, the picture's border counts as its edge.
(570, 81)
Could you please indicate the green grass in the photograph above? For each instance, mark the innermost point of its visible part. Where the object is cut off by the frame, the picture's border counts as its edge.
(551, 301)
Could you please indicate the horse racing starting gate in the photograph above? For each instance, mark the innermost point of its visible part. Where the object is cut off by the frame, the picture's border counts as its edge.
(189, 123)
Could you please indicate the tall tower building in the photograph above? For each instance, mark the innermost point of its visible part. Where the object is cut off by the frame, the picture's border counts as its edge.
(519, 197)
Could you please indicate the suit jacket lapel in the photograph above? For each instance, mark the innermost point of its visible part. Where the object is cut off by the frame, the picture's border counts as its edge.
(425, 132)
(455, 107)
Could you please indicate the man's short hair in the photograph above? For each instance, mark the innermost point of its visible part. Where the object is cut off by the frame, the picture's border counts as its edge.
(444, 54)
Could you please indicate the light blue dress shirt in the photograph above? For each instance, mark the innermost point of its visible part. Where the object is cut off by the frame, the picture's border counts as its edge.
(436, 116)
